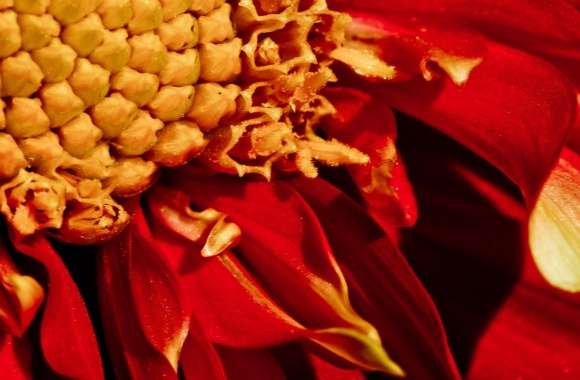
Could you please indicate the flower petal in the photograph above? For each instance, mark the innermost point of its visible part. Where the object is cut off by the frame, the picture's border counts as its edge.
(20, 296)
(132, 355)
(468, 249)
(250, 364)
(199, 359)
(66, 334)
(298, 363)
(515, 110)
(533, 336)
(136, 275)
(384, 287)
(555, 225)
(212, 304)
(285, 248)
(549, 26)
(15, 365)
(383, 182)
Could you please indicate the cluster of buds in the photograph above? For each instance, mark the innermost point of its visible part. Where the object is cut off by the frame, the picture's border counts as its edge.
(97, 95)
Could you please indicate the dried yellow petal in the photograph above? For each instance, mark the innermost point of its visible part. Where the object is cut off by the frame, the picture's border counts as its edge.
(89, 223)
(36, 202)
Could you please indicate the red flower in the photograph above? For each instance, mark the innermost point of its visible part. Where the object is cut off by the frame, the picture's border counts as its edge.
(218, 277)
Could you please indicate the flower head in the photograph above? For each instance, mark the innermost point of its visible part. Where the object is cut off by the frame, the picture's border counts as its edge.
(188, 140)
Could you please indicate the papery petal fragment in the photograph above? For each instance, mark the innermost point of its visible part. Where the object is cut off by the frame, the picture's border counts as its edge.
(555, 225)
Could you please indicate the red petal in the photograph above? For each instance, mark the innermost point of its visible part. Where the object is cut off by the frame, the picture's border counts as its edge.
(546, 26)
(326, 371)
(14, 360)
(132, 355)
(20, 296)
(298, 363)
(67, 338)
(216, 285)
(515, 111)
(384, 287)
(366, 124)
(470, 253)
(285, 248)
(533, 336)
(199, 359)
(138, 286)
(250, 364)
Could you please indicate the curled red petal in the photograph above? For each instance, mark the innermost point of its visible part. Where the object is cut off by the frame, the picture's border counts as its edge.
(284, 248)
(384, 287)
(215, 285)
(131, 353)
(67, 338)
(368, 125)
(141, 305)
(515, 110)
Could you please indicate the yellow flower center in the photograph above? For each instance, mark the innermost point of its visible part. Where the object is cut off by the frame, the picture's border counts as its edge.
(97, 95)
